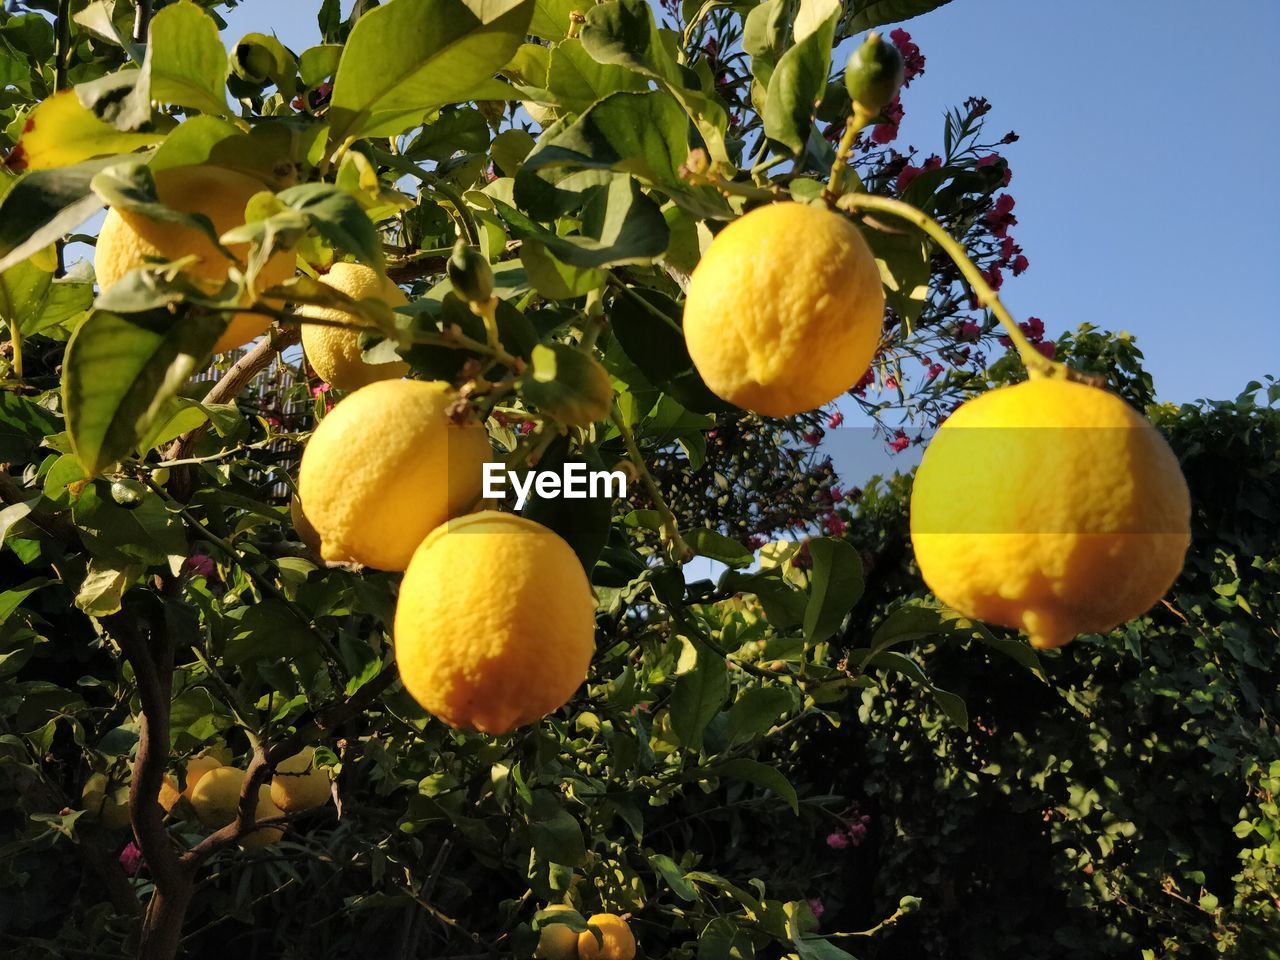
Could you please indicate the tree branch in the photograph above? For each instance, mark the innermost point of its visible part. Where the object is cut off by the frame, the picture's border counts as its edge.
(265, 761)
(228, 387)
(141, 20)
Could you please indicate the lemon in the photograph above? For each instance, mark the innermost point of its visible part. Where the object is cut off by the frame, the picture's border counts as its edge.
(385, 468)
(616, 940)
(495, 625)
(127, 240)
(334, 353)
(557, 941)
(302, 526)
(1051, 507)
(299, 784)
(216, 796)
(785, 309)
(264, 836)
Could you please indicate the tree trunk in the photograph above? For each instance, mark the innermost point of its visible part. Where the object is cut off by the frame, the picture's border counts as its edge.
(162, 926)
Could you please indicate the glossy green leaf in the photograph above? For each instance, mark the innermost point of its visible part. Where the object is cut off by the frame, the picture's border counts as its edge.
(762, 775)
(836, 585)
(408, 57)
(186, 60)
(869, 14)
(338, 217)
(756, 711)
(801, 75)
(698, 696)
(120, 370)
(671, 873)
(578, 81)
(44, 205)
(716, 546)
(646, 325)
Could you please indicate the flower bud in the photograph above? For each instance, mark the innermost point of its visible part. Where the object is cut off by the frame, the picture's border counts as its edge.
(874, 74)
(470, 274)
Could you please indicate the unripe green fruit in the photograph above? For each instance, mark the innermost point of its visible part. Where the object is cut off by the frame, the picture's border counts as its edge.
(128, 493)
(874, 74)
(470, 273)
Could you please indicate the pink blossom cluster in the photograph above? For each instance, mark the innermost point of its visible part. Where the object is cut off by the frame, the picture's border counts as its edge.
(851, 834)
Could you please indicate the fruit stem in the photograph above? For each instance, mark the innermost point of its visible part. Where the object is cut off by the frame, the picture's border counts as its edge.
(856, 121)
(1036, 363)
(670, 528)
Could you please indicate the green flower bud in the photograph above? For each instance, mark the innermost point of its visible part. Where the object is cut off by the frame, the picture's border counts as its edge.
(128, 493)
(568, 384)
(874, 74)
(470, 273)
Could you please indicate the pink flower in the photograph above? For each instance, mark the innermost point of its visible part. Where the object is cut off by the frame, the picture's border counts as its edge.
(835, 525)
(860, 388)
(912, 59)
(838, 840)
(977, 106)
(899, 442)
(991, 159)
(1007, 248)
(993, 276)
(934, 371)
(969, 331)
(835, 420)
(887, 132)
(320, 389)
(891, 383)
(198, 565)
(1019, 265)
(1047, 347)
(131, 858)
(909, 173)
(755, 542)
(836, 494)
(1009, 137)
(815, 904)
(813, 438)
(1033, 328)
(526, 428)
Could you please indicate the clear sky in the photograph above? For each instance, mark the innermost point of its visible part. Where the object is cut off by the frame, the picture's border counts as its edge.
(1145, 179)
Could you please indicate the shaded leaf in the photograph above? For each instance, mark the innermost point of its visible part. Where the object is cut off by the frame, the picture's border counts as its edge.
(836, 585)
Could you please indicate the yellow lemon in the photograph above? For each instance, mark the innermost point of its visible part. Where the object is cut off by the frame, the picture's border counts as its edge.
(334, 352)
(495, 625)
(216, 796)
(264, 836)
(557, 941)
(302, 526)
(616, 940)
(1052, 507)
(128, 240)
(785, 309)
(299, 784)
(385, 468)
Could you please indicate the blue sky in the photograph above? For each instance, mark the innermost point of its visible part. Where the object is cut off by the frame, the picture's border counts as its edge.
(1144, 179)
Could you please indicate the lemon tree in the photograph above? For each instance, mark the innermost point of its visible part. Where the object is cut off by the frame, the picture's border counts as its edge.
(271, 648)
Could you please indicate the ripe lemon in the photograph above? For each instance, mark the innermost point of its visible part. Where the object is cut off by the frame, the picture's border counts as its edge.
(495, 625)
(1052, 507)
(334, 353)
(785, 309)
(299, 784)
(616, 940)
(216, 796)
(385, 468)
(264, 836)
(128, 240)
(197, 767)
(557, 941)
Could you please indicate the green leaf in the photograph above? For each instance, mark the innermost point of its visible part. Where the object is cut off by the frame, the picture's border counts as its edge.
(583, 524)
(762, 775)
(578, 81)
(121, 99)
(44, 205)
(869, 14)
(671, 873)
(800, 77)
(97, 18)
(338, 217)
(837, 584)
(756, 711)
(697, 697)
(619, 225)
(119, 371)
(186, 60)
(552, 277)
(408, 57)
(644, 134)
(103, 587)
(551, 18)
(556, 835)
(903, 258)
(23, 425)
(317, 64)
(953, 706)
(708, 543)
(462, 129)
(646, 326)
(33, 301)
(623, 32)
